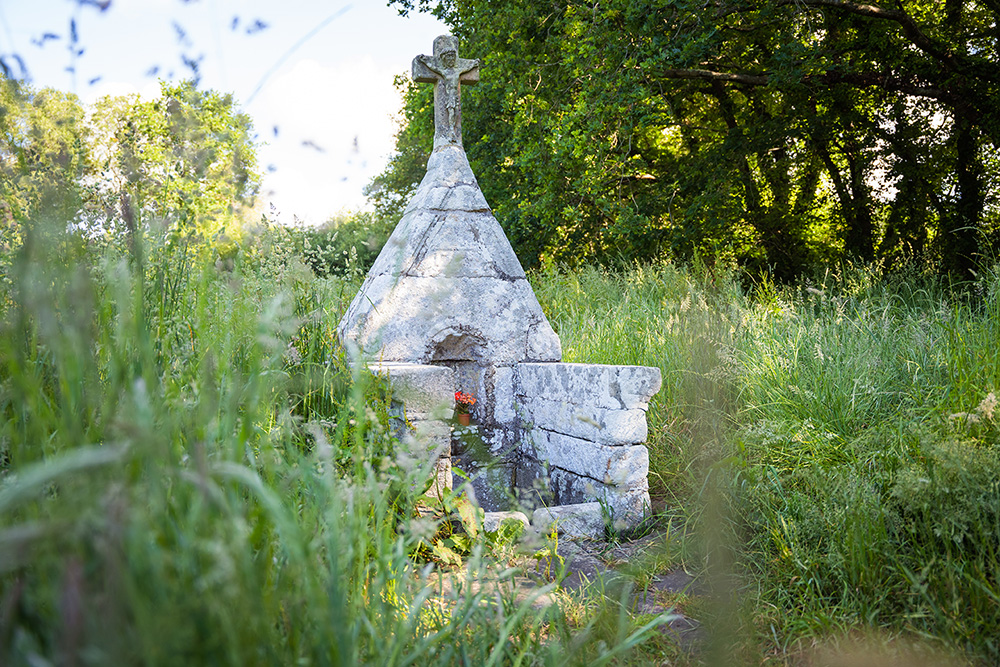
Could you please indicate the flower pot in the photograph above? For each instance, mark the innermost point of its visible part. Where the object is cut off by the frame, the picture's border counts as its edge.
(464, 418)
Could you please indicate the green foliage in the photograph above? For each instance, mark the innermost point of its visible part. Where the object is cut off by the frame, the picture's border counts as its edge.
(344, 246)
(44, 154)
(184, 163)
(782, 135)
(347, 244)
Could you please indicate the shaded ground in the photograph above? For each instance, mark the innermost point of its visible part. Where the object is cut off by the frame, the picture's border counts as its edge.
(625, 572)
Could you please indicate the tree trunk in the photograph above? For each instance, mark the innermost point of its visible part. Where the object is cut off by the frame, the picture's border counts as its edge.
(959, 234)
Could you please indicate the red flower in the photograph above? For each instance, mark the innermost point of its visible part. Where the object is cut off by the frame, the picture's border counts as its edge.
(465, 399)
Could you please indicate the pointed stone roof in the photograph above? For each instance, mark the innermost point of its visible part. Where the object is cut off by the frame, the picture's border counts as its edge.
(447, 286)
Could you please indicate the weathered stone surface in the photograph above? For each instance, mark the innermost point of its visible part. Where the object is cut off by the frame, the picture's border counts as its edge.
(448, 73)
(502, 380)
(492, 520)
(614, 466)
(438, 197)
(434, 436)
(427, 392)
(601, 425)
(450, 167)
(442, 477)
(490, 481)
(629, 504)
(413, 318)
(597, 385)
(448, 272)
(453, 244)
(573, 521)
(532, 486)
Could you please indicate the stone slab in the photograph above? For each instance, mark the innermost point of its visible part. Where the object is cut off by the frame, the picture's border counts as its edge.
(424, 390)
(435, 196)
(490, 481)
(502, 381)
(449, 166)
(621, 467)
(536, 480)
(493, 520)
(597, 385)
(409, 318)
(448, 244)
(601, 425)
(581, 520)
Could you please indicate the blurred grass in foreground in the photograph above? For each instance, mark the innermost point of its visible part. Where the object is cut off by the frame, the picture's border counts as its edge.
(191, 474)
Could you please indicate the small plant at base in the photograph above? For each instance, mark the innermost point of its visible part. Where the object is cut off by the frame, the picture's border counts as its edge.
(550, 563)
(459, 528)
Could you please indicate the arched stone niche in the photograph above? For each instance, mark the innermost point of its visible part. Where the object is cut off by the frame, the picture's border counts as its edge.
(486, 451)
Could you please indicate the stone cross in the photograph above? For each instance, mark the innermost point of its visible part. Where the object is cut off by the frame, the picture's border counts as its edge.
(447, 72)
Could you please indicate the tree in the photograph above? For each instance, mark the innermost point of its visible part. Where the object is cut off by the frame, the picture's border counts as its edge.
(43, 156)
(184, 163)
(778, 133)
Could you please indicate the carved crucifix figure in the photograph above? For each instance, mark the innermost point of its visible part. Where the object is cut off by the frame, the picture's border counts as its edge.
(448, 73)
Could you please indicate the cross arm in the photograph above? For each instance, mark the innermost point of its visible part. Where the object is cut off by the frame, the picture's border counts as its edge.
(470, 73)
(421, 72)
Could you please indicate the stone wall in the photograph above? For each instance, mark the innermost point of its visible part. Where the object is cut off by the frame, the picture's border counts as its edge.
(574, 434)
(583, 426)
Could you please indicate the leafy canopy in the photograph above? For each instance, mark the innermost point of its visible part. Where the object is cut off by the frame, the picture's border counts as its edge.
(775, 133)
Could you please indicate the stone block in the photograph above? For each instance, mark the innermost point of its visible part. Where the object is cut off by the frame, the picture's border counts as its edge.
(624, 466)
(493, 520)
(531, 484)
(434, 436)
(582, 520)
(442, 197)
(490, 480)
(449, 245)
(628, 504)
(597, 385)
(401, 245)
(502, 385)
(601, 425)
(442, 477)
(449, 166)
(426, 392)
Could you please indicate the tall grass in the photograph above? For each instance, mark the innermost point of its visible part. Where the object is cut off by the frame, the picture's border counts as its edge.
(190, 473)
(849, 424)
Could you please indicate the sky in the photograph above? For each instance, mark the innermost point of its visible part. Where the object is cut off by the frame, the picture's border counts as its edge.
(316, 76)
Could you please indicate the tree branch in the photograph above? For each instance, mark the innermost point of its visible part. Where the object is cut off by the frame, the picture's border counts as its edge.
(858, 80)
(954, 62)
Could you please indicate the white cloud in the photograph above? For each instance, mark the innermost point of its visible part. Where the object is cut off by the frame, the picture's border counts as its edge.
(334, 134)
(150, 90)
